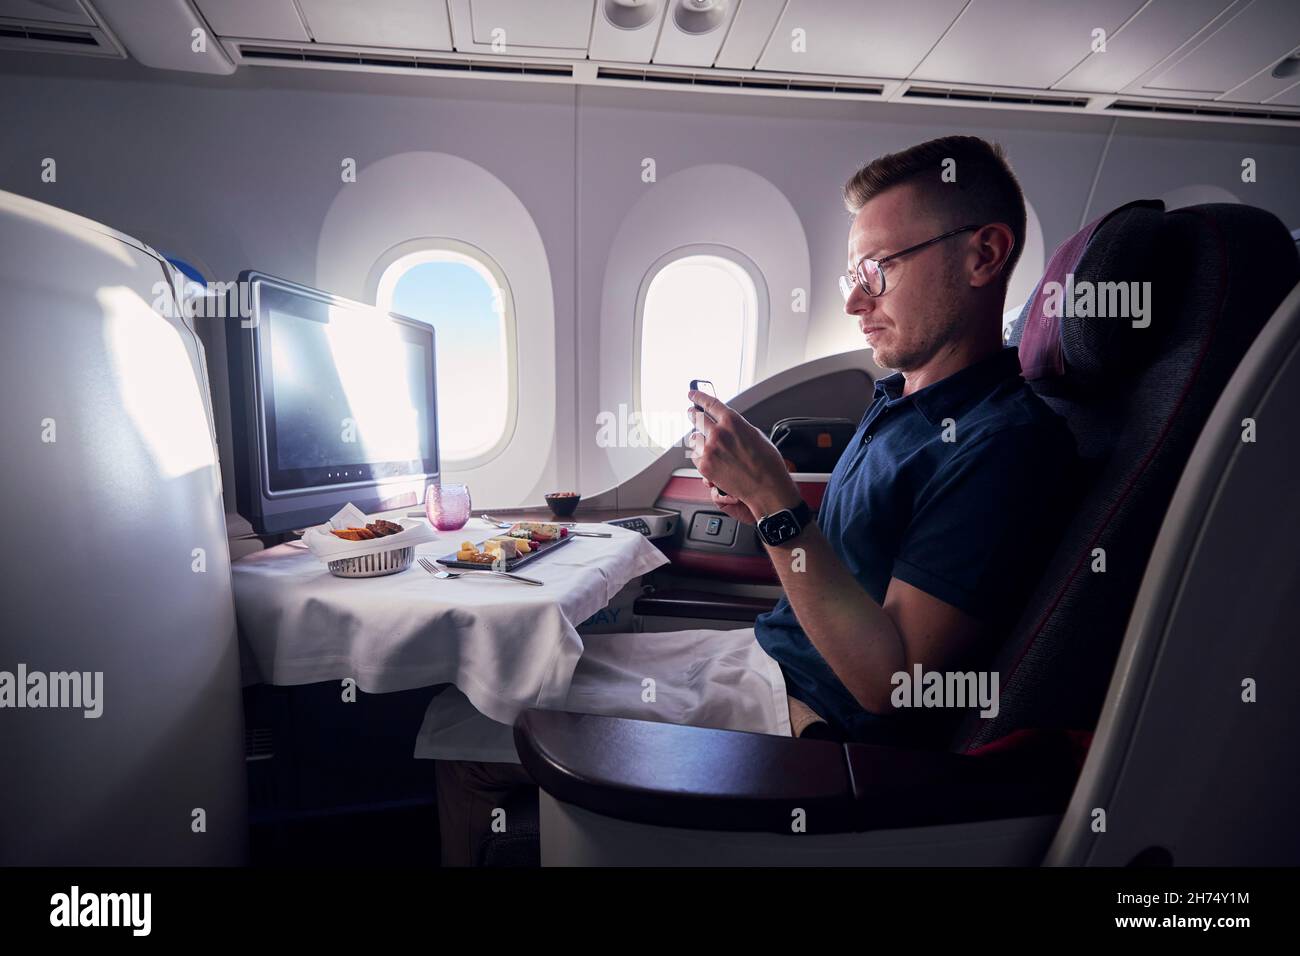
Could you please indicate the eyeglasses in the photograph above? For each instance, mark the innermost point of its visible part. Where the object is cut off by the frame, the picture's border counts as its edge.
(870, 273)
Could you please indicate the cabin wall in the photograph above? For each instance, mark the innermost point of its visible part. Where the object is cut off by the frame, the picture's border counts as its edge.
(242, 172)
(238, 174)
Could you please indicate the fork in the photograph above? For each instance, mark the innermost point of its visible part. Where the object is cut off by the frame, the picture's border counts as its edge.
(506, 524)
(561, 524)
(438, 571)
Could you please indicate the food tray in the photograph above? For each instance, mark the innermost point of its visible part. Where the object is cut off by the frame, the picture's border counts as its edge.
(539, 549)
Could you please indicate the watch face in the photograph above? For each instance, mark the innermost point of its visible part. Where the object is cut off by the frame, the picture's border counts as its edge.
(779, 528)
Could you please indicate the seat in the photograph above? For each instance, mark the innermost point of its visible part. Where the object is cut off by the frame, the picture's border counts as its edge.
(1194, 755)
(1136, 394)
(1136, 399)
(111, 513)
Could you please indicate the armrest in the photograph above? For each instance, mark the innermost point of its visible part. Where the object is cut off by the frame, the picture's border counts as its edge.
(699, 778)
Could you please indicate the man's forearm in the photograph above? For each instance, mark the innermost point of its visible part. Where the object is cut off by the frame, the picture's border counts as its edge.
(850, 630)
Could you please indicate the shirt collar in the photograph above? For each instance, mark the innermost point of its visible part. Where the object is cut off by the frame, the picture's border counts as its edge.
(948, 395)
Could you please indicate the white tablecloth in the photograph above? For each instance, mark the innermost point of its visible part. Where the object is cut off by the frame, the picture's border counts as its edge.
(506, 646)
(703, 678)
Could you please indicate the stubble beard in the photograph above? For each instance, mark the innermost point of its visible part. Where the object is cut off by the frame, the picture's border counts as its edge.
(940, 331)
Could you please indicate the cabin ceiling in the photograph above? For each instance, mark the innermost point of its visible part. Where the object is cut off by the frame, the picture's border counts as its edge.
(1186, 59)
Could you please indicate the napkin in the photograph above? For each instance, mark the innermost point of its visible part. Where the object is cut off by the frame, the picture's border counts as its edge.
(328, 547)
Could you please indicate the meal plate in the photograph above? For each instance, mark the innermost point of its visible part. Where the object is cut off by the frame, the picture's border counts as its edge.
(539, 548)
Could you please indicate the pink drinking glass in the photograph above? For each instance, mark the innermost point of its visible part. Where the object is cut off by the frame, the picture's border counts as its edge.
(447, 506)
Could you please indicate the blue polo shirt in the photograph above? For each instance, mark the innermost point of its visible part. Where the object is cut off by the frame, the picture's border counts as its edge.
(960, 489)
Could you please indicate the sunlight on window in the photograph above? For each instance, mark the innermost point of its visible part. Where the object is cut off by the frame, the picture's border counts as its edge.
(459, 297)
(697, 322)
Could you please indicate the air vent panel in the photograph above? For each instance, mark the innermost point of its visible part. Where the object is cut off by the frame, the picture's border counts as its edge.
(260, 54)
(993, 97)
(754, 83)
(767, 83)
(46, 37)
(259, 743)
(1185, 110)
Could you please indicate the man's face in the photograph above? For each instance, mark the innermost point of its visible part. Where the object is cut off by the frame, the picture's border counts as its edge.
(920, 310)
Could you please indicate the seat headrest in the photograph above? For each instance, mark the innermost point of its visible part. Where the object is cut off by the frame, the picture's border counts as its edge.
(1091, 311)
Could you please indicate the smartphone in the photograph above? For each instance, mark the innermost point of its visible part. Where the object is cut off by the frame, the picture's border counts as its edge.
(705, 386)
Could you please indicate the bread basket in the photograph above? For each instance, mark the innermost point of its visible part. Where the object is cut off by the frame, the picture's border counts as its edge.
(373, 565)
(371, 558)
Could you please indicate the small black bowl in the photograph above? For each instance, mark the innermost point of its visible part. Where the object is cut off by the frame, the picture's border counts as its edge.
(563, 506)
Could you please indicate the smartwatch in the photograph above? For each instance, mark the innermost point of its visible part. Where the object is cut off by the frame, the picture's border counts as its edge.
(778, 528)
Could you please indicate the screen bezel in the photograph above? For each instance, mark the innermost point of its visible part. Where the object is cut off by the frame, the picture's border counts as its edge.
(291, 482)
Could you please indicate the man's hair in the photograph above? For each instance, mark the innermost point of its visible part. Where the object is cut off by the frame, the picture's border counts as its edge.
(983, 190)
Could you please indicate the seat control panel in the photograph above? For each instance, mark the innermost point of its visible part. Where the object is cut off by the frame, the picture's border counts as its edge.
(711, 527)
(636, 524)
(650, 525)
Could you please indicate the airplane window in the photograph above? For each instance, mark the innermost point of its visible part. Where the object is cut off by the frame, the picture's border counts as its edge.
(463, 295)
(698, 320)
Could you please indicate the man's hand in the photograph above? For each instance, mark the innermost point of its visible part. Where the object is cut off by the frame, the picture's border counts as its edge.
(732, 454)
(731, 506)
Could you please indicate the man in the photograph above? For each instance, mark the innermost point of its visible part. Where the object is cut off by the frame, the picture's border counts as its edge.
(934, 523)
(952, 492)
